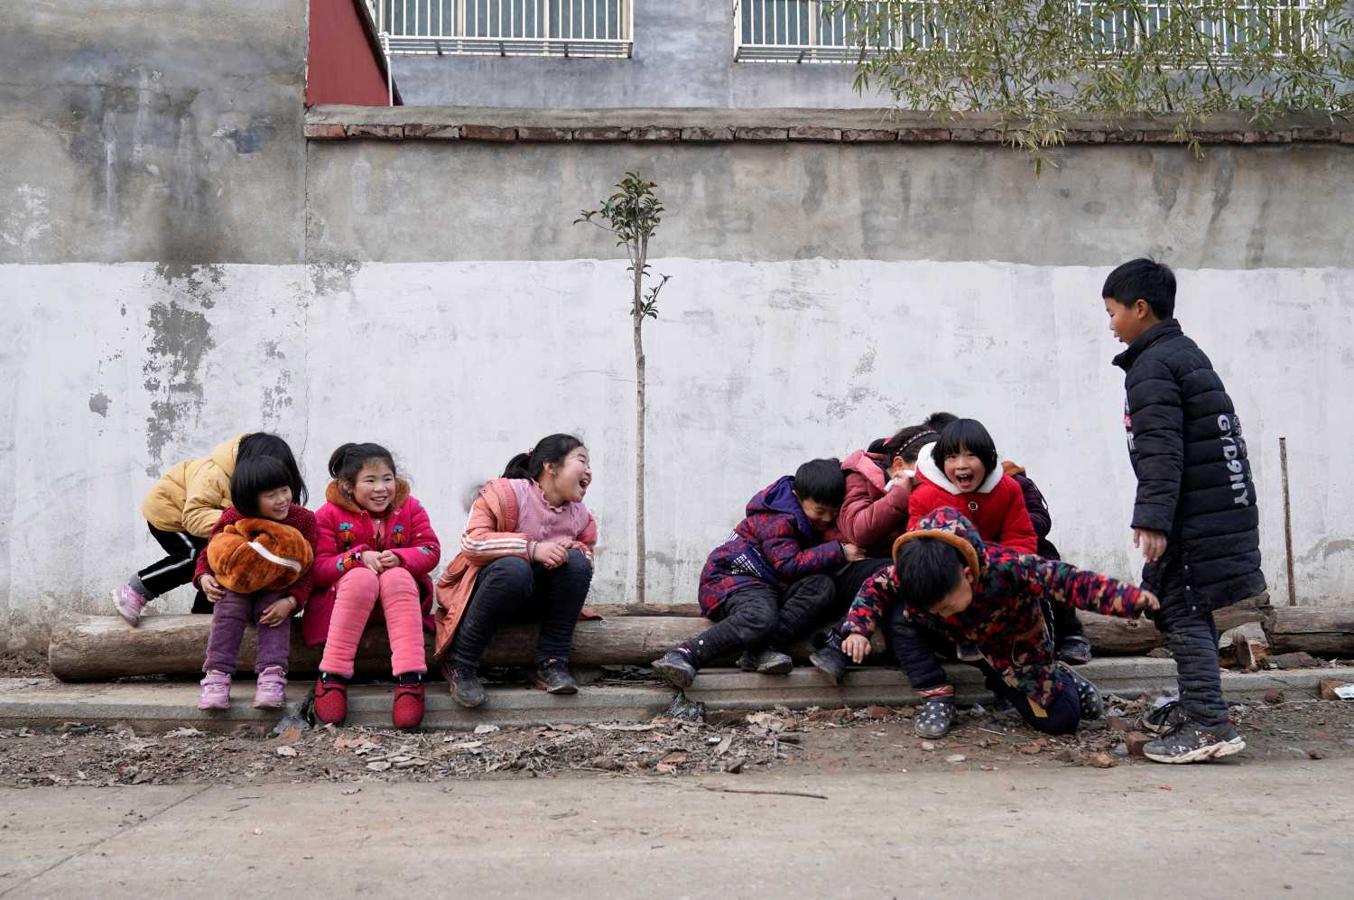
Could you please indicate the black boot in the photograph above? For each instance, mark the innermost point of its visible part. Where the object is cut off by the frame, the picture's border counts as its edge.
(766, 662)
(465, 686)
(829, 659)
(676, 668)
(553, 677)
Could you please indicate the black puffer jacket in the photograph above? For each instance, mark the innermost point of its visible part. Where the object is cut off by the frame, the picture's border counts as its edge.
(1194, 480)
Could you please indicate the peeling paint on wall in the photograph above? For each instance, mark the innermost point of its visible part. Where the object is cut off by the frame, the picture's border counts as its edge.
(179, 340)
(98, 404)
(333, 276)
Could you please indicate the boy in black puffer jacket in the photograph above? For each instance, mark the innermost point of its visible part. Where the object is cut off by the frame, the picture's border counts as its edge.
(1195, 516)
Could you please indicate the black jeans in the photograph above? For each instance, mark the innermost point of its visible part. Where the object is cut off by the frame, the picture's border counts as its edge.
(175, 569)
(1192, 638)
(757, 617)
(512, 588)
(1060, 717)
(916, 649)
(1064, 620)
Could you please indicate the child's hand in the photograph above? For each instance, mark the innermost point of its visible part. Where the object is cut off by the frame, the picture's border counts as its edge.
(856, 646)
(1150, 603)
(372, 560)
(853, 553)
(389, 560)
(550, 554)
(277, 612)
(1152, 543)
(211, 587)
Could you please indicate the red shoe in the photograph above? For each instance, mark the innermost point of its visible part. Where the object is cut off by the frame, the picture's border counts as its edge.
(331, 700)
(407, 710)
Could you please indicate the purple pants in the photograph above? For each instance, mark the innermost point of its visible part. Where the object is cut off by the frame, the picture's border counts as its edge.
(230, 615)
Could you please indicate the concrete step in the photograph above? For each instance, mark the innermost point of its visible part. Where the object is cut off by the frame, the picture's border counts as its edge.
(152, 706)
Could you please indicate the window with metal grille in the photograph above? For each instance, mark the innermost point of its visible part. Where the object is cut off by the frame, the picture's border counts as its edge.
(584, 28)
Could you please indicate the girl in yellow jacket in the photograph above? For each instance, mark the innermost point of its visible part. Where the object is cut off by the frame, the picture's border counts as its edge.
(181, 511)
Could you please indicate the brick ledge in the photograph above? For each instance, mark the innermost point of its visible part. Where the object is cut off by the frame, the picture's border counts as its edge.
(859, 126)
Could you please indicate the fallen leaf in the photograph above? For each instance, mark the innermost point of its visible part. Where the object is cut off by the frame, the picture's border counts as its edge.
(485, 729)
(464, 745)
(378, 766)
(928, 746)
(185, 732)
(955, 758)
(1100, 760)
(285, 751)
(348, 792)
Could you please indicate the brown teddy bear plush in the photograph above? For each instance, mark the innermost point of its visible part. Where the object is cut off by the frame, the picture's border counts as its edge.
(258, 555)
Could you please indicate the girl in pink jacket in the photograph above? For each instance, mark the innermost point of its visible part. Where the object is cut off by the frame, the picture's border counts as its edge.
(375, 543)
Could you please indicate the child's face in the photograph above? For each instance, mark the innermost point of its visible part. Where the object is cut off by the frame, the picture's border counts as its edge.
(965, 470)
(572, 476)
(1129, 321)
(374, 487)
(957, 600)
(275, 504)
(820, 515)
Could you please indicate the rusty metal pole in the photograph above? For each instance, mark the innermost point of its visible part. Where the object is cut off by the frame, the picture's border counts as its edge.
(1287, 522)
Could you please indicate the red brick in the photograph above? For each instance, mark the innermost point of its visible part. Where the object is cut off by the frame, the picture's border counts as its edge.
(599, 133)
(707, 134)
(923, 135)
(1315, 134)
(652, 133)
(1347, 137)
(1267, 137)
(1085, 137)
(487, 133)
(380, 132)
(430, 132)
(1326, 688)
(324, 132)
(544, 134)
(761, 134)
(1135, 741)
(868, 135)
(814, 133)
(1121, 136)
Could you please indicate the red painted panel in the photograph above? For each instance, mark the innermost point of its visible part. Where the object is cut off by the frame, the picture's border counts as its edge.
(345, 65)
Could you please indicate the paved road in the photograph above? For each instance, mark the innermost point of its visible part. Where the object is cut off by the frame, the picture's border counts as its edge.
(1253, 830)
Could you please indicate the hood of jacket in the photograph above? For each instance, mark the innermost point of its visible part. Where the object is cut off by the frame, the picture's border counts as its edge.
(224, 453)
(334, 494)
(779, 498)
(870, 466)
(927, 468)
(951, 527)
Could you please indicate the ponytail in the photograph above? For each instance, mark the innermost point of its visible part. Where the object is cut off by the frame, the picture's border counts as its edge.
(550, 449)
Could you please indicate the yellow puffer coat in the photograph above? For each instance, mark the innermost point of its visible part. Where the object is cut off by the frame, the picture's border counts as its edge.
(191, 496)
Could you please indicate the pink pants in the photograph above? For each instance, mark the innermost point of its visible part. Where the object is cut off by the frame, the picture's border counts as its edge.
(357, 594)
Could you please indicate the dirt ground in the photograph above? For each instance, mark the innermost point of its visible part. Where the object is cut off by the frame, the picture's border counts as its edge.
(869, 739)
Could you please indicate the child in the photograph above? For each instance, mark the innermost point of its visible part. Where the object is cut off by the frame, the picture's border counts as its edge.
(257, 569)
(526, 549)
(948, 580)
(961, 472)
(879, 483)
(1068, 634)
(181, 510)
(768, 585)
(375, 542)
(1195, 516)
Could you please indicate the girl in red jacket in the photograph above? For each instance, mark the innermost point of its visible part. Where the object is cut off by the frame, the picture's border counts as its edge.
(375, 543)
(961, 472)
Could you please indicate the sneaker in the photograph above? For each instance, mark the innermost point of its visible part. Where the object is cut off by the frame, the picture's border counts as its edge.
(1165, 715)
(466, 688)
(331, 699)
(1190, 742)
(830, 660)
(553, 677)
(766, 662)
(128, 603)
(406, 712)
(935, 718)
(1092, 704)
(215, 691)
(271, 690)
(1075, 650)
(676, 668)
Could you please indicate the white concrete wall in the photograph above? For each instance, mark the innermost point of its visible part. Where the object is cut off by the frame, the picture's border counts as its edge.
(113, 372)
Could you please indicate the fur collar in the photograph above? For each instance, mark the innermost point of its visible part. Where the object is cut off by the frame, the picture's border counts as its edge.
(926, 467)
(335, 495)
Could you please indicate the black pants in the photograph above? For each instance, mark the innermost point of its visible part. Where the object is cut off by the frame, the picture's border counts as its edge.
(1192, 638)
(510, 589)
(175, 569)
(757, 617)
(1064, 620)
(916, 649)
(1060, 717)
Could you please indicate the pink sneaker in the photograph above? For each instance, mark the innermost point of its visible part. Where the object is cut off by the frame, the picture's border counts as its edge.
(271, 692)
(215, 691)
(128, 604)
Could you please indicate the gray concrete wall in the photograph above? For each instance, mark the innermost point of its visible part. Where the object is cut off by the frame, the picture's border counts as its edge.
(683, 56)
(152, 130)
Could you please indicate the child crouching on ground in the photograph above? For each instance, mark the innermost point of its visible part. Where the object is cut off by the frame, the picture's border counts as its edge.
(770, 583)
(257, 569)
(947, 580)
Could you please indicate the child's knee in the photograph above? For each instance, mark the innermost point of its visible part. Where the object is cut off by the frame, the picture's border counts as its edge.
(360, 583)
(578, 564)
(759, 618)
(398, 580)
(510, 574)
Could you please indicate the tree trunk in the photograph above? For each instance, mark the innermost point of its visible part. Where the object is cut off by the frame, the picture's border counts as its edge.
(1324, 631)
(638, 316)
